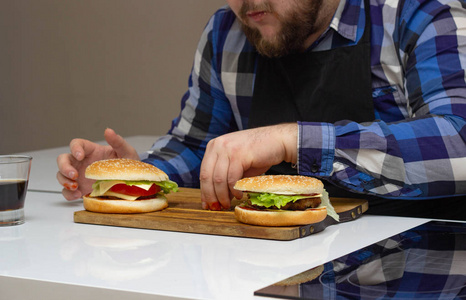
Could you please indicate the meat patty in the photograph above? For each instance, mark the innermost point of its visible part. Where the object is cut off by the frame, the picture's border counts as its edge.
(303, 204)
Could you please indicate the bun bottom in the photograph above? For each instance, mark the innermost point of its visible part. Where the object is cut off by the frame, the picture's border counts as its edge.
(280, 218)
(124, 206)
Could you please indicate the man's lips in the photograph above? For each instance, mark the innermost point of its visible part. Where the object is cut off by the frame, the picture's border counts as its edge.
(256, 16)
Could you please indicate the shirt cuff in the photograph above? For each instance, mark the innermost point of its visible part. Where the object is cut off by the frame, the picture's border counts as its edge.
(316, 148)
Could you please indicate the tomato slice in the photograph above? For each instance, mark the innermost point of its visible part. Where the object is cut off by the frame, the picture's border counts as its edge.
(133, 190)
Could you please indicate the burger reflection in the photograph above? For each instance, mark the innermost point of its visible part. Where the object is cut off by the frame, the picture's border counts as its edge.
(250, 265)
(115, 259)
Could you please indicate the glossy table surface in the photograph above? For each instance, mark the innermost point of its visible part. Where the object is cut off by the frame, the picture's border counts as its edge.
(51, 257)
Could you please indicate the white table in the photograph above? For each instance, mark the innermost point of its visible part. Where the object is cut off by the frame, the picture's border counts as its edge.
(44, 163)
(51, 257)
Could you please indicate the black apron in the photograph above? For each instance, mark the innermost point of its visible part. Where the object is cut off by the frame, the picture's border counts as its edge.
(323, 86)
(327, 86)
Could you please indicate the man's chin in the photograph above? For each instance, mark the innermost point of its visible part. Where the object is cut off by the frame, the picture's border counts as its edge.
(271, 50)
(269, 34)
(265, 42)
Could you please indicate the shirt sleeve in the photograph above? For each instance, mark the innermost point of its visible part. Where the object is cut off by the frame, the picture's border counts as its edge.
(423, 155)
(205, 114)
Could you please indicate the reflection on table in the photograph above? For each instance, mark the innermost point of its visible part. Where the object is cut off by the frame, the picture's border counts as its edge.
(426, 262)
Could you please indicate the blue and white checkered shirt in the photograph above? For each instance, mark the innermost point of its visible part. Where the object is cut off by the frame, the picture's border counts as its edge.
(416, 146)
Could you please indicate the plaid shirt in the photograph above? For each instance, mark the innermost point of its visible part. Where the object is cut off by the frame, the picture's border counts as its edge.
(416, 146)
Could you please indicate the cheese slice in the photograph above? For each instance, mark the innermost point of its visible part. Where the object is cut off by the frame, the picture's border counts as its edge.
(104, 189)
(104, 186)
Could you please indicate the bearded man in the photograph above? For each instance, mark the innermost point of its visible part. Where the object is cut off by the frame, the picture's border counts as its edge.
(369, 96)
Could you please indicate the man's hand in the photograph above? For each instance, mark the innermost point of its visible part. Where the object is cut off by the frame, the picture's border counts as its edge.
(246, 153)
(71, 166)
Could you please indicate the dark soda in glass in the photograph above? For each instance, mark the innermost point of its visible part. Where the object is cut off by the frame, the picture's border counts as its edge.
(12, 194)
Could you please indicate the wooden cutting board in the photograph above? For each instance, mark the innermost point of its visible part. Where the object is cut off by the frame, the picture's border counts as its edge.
(185, 214)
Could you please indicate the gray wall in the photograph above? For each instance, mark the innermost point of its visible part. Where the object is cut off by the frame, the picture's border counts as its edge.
(71, 68)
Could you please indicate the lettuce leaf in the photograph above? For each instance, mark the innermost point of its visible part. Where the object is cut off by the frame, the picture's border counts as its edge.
(330, 210)
(168, 186)
(268, 200)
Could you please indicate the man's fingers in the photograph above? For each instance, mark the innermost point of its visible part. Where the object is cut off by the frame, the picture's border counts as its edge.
(80, 148)
(71, 195)
(218, 175)
(67, 183)
(121, 147)
(235, 173)
(220, 180)
(208, 197)
(65, 166)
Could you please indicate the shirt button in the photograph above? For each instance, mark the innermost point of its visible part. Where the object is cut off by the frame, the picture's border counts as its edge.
(315, 168)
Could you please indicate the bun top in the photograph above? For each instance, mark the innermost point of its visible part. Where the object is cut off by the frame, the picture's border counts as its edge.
(281, 184)
(124, 169)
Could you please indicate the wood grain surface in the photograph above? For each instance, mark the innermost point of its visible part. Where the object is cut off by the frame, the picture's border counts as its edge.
(185, 214)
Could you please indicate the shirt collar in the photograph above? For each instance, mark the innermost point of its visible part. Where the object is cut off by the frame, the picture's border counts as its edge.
(346, 18)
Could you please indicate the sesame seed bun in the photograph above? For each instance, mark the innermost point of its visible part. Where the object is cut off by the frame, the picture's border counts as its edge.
(124, 169)
(281, 184)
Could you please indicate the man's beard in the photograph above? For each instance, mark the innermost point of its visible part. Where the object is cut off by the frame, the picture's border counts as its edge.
(295, 28)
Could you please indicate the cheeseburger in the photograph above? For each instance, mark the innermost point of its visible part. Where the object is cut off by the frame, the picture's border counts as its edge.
(127, 186)
(283, 200)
